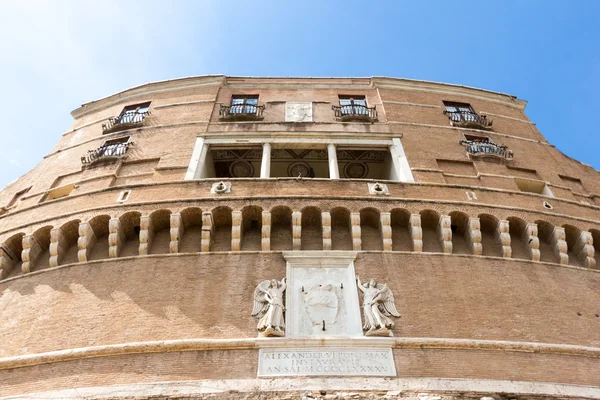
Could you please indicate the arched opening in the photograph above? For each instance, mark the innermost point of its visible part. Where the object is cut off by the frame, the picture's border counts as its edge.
(70, 234)
(130, 226)
(520, 248)
(341, 231)
(312, 229)
(401, 235)
(572, 238)
(251, 228)
(492, 246)
(596, 238)
(99, 226)
(545, 231)
(160, 224)
(11, 255)
(42, 237)
(430, 221)
(459, 223)
(191, 239)
(222, 229)
(370, 229)
(281, 228)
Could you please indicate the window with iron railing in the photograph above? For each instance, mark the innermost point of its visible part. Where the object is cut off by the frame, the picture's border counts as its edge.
(242, 107)
(354, 107)
(111, 149)
(484, 146)
(462, 114)
(130, 117)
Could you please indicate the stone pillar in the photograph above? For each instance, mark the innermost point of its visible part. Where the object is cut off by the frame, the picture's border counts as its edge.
(86, 242)
(416, 232)
(559, 245)
(385, 224)
(56, 245)
(236, 230)
(116, 237)
(176, 232)
(400, 161)
(356, 231)
(444, 231)
(297, 230)
(207, 231)
(584, 248)
(503, 236)
(265, 164)
(200, 172)
(31, 252)
(265, 234)
(473, 236)
(146, 235)
(334, 171)
(326, 222)
(530, 237)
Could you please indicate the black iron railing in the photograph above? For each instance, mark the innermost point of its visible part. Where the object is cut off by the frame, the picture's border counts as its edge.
(356, 112)
(128, 119)
(106, 152)
(469, 119)
(241, 111)
(476, 148)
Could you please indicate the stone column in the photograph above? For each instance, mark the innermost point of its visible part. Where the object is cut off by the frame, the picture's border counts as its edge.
(265, 234)
(559, 245)
(265, 165)
(31, 252)
(530, 236)
(503, 235)
(385, 223)
(356, 231)
(146, 235)
(416, 232)
(473, 236)
(116, 237)
(176, 232)
(236, 230)
(585, 250)
(334, 171)
(207, 230)
(86, 241)
(297, 230)
(200, 172)
(445, 233)
(326, 222)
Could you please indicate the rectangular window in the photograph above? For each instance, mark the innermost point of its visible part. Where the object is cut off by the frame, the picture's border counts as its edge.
(478, 139)
(134, 113)
(114, 147)
(353, 105)
(243, 104)
(461, 112)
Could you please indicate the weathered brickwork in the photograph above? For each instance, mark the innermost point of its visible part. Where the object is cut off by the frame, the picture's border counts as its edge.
(493, 252)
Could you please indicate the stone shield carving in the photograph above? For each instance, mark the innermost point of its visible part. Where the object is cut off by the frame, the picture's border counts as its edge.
(322, 305)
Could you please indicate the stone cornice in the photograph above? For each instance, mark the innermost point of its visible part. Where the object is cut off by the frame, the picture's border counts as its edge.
(167, 346)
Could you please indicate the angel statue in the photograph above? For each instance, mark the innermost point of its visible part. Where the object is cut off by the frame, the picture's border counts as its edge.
(268, 307)
(378, 306)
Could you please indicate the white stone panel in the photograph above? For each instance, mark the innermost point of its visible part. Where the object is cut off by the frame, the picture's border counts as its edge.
(298, 112)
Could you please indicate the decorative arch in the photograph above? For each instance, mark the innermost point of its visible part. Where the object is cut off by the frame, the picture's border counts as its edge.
(130, 232)
(492, 246)
(251, 228)
(222, 228)
(430, 221)
(459, 223)
(191, 234)
(370, 229)
(401, 236)
(312, 229)
(341, 229)
(518, 238)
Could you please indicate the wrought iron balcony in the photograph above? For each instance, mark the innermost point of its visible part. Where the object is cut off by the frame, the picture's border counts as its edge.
(241, 112)
(487, 149)
(355, 113)
(469, 120)
(125, 120)
(109, 151)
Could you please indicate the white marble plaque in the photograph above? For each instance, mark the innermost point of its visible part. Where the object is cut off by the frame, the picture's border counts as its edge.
(326, 362)
(298, 112)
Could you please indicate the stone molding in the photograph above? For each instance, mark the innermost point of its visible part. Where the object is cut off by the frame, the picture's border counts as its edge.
(166, 346)
(426, 388)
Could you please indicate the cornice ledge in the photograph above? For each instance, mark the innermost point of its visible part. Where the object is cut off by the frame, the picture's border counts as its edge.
(181, 345)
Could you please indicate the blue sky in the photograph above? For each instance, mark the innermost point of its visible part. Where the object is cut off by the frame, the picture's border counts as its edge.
(57, 54)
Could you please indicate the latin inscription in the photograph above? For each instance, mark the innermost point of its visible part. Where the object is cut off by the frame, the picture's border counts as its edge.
(327, 361)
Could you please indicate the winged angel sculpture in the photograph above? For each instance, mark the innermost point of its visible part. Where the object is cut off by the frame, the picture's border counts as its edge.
(378, 307)
(268, 307)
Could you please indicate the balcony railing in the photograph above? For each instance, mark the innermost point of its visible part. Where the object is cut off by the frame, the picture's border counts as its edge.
(106, 152)
(355, 112)
(469, 120)
(241, 112)
(486, 149)
(125, 121)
